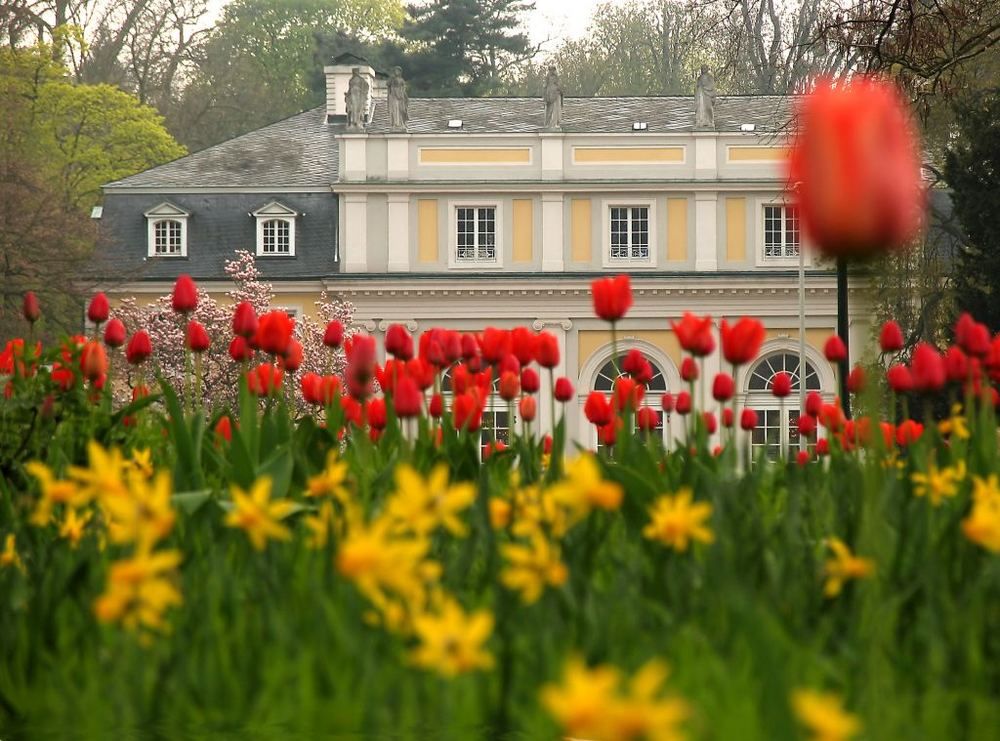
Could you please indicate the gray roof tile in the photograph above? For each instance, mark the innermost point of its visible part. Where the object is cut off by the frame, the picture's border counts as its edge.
(298, 152)
(585, 115)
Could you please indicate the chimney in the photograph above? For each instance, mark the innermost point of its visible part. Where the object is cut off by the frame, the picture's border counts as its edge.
(338, 74)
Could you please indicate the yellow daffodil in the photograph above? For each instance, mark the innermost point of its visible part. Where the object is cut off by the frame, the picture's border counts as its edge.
(257, 515)
(422, 505)
(982, 526)
(330, 482)
(531, 567)
(584, 489)
(582, 704)
(937, 483)
(955, 425)
(72, 526)
(676, 520)
(843, 566)
(144, 515)
(53, 492)
(139, 590)
(536, 510)
(104, 476)
(451, 642)
(9, 556)
(824, 715)
(142, 461)
(643, 714)
(320, 525)
(499, 513)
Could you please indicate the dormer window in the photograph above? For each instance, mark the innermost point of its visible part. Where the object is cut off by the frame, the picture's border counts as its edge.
(275, 230)
(167, 231)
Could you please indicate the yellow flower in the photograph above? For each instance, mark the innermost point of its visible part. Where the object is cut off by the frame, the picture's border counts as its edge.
(258, 515)
(536, 510)
(955, 425)
(499, 513)
(320, 525)
(676, 520)
(54, 491)
(105, 474)
(451, 643)
(145, 514)
(843, 566)
(583, 488)
(142, 461)
(9, 556)
(938, 483)
(824, 715)
(531, 567)
(139, 590)
(72, 526)
(331, 481)
(582, 704)
(422, 505)
(644, 715)
(982, 526)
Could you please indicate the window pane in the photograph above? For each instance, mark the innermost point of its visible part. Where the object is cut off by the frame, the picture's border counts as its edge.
(640, 233)
(619, 233)
(772, 231)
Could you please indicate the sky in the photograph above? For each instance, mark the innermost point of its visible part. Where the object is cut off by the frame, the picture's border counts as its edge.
(561, 19)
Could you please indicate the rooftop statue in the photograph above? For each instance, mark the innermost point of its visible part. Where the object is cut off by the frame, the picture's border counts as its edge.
(356, 99)
(398, 100)
(553, 96)
(704, 100)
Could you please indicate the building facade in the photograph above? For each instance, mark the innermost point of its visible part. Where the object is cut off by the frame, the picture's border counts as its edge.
(480, 212)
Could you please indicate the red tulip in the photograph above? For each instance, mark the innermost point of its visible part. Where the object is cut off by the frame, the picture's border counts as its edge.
(814, 403)
(467, 412)
(334, 334)
(407, 398)
(927, 367)
(972, 337)
(399, 342)
(748, 419)
(548, 350)
(509, 364)
(822, 446)
(564, 389)
(185, 295)
(683, 404)
(29, 307)
(292, 358)
(597, 409)
(469, 346)
(900, 379)
(114, 333)
(139, 348)
(530, 382)
(528, 408)
(627, 393)
(510, 386)
(265, 379)
(141, 391)
(523, 344)
(612, 297)
(694, 334)
(636, 365)
(422, 372)
(891, 337)
(197, 339)
(835, 350)
(856, 380)
(239, 350)
(244, 320)
(727, 417)
(647, 418)
(956, 365)
(495, 344)
(807, 425)
(311, 385)
(375, 412)
(723, 387)
(224, 429)
(781, 385)
(908, 432)
(99, 308)
(93, 361)
(274, 330)
(741, 342)
(711, 425)
(856, 165)
(802, 457)
(689, 369)
(436, 406)
(608, 434)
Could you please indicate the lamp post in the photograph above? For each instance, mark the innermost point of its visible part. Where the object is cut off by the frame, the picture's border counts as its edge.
(843, 331)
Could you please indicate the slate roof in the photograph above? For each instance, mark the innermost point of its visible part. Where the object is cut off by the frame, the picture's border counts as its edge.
(298, 152)
(584, 115)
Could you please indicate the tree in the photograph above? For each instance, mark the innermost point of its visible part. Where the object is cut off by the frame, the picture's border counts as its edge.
(467, 47)
(973, 171)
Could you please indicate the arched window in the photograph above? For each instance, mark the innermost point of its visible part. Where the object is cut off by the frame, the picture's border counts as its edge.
(777, 423)
(496, 415)
(604, 382)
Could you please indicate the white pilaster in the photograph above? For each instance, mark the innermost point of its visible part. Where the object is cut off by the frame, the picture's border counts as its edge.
(552, 232)
(558, 328)
(552, 156)
(706, 249)
(355, 156)
(355, 235)
(399, 232)
(398, 156)
(706, 166)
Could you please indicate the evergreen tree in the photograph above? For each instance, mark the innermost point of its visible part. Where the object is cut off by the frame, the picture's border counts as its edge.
(972, 169)
(466, 47)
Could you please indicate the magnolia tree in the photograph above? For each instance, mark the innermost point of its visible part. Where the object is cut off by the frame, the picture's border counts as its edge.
(219, 373)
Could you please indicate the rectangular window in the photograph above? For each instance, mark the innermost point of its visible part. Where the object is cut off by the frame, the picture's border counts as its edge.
(476, 234)
(277, 237)
(167, 237)
(781, 231)
(495, 424)
(630, 233)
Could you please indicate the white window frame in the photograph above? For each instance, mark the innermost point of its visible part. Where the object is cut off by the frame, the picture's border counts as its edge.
(275, 211)
(498, 232)
(653, 237)
(162, 213)
(789, 261)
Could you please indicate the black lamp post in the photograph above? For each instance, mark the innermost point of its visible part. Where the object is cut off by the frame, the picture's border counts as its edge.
(842, 330)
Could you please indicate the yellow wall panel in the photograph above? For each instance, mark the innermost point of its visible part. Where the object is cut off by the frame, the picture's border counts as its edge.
(736, 229)
(591, 339)
(815, 337)
(427, 230)
(523, 229)
(475, 156)
(628, 155)
(757, 154)
(580, 229)
(677, 230)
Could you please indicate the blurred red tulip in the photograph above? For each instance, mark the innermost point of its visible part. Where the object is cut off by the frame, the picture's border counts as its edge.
(612, 297)
(781, 385)
(927, 368)
(689, 369)
(890, 339)
(806, 425)
(899, 378)
(523, 344)
(694, 334)
(908, 432)
(407, 400)
(667, 403)
(139, 347)
(196, 338)
(727, 417)
(564, 389)
(509, 387)
(399, 342)
(467, 411)
(265, 379)
(802, 457)
(244, 320)
(683, 403)
(972, 337)
(99, 308)
(93, 361)
(647, 418)
(224, 428)
(856, 166)
(530, 382)
(711, 425)
(528, 408)
(723, 387)
(548, 350)
(814, 403)
(741, 342)
(185, 296)
(856, 380)
(239, 350)
(597, 409)
(311, 385)
(334, 334)
(835, 350)
(114, 333)
(30, 309)
(274, 330)
(436, 406)
(956, 365)
(375, 412)
(292, 357)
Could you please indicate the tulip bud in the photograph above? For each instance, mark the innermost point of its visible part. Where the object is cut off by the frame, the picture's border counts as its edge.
(436, 406)
(891, 337)
(683, 404)
(814, 403)
(802, 457)
(528, 408)
(647, 418)
(612, 297)
(99, 308)
(722, 387)
(292, 358)
(667, 403)
(406, 398)
(510, 386)
(139, 348)
(197, 339)
(224, 429)
(689, 369)
(856, 380)
(239, 350)
(334, 334)
(114, 333)
(547, 350)
(781, 385)
(93, 361)
(900, 379)
(807, 425)
(185, 296)
(727, 417)
(748, 419)
(597, 409)
(710, 423)
(30, 308)
(835, 350)
(530, 382)
(927, 368)
(244, 320)
(398, 342)
(564, 389)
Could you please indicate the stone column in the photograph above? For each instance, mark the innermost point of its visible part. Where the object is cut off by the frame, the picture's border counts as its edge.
(399, 232)
(354, 236)
(552, 232)
(706, 229)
